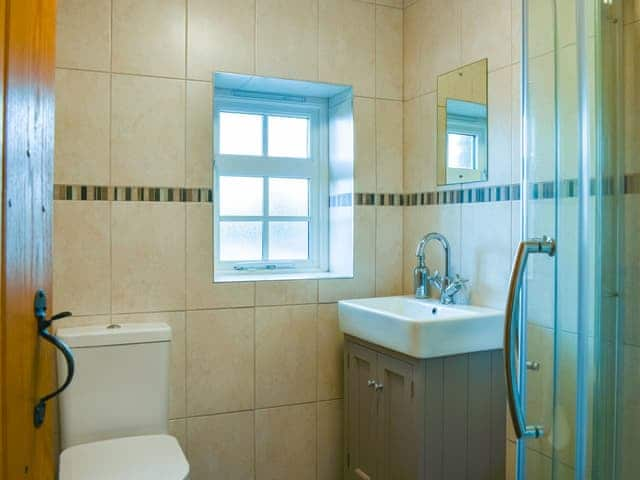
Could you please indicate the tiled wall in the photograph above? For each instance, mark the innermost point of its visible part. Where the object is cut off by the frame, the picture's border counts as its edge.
(257, 367)
(440, 36)
(630, 411)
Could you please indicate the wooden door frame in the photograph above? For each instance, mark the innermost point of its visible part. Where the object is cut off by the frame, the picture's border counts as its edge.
(27, 105)
(3, 387)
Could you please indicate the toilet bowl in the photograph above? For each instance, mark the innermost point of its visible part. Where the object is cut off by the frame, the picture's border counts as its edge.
(114, 416)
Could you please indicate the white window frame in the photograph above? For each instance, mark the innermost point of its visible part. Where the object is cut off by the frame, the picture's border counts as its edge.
(469, 126)
(314, 168)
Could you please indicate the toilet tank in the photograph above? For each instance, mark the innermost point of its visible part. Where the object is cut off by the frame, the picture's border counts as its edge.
(121, 383)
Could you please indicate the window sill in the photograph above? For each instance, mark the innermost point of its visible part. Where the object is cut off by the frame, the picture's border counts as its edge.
(266, 277)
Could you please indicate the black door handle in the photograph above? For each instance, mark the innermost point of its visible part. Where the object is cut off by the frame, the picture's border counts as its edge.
(40, 311)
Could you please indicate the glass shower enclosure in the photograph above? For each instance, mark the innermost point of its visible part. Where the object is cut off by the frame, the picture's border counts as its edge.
(572, 337)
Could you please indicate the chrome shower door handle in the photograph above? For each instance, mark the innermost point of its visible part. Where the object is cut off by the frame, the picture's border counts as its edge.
(546, 246)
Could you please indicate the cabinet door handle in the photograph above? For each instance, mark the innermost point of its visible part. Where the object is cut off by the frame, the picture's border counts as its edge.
(371, 383)
(379, 387)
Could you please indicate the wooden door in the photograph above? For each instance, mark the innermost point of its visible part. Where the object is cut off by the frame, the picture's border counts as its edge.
(361, 412)
(26, 363)
(398, 429)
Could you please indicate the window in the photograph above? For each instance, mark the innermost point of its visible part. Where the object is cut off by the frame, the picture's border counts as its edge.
(271, 182)
(461, 150)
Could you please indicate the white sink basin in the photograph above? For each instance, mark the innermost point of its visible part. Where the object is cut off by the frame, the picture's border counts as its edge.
(422, 328)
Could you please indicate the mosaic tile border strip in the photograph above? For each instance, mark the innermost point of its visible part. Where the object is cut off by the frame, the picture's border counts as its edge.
(497, 193)
(132, 194)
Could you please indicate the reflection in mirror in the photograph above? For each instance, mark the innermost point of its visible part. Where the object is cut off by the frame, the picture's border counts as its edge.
(463, 125)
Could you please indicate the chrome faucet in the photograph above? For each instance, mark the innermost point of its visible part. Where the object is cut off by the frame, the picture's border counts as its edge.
(422, 279)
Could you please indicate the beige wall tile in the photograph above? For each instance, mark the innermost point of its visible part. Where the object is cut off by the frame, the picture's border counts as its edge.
(516, 30)
(220, 361)
(84, 34)
(81, 321)
(364, 116)
(347, 44)
(147, 131)
(500, 131)
(516, 149)
(485, 27)
(486, 251)
(389, 53)
(632, 96)
(631, 260)
(540, 384)
(389, 142)
(178, 429)
(287, 38)
(363, 282)
(286, 345)
(419, 144)
(82, 127)
(176, 320)
(149, 37)
(220, 37)
(431, 44)
(389, 251)
(81, 265)
(410, 53)
(538, 466)
(202, 292)
(631, 10)
(391, 3)
(510, 468)
(199, 134)
(148, 244)
(630, 412)
(286, 443)
(541, 39)
(330, 353)
(330, 440)
(291, 292)
(221, 446)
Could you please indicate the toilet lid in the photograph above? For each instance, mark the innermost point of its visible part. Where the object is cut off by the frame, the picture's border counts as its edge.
(147, 457)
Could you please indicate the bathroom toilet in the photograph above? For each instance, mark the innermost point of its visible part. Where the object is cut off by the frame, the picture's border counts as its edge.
(114, 415)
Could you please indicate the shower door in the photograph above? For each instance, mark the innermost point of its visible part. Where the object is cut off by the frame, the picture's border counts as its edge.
(567, 360)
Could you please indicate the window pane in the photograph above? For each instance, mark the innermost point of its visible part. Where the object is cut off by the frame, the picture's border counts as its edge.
(460, 150)
(288, 241)
(240, 241)
(289, 197)
(240, 195)
(288, 137)
(240, 134)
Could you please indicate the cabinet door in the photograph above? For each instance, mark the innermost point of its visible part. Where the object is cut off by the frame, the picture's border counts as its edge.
(397, 421)
(361, 413)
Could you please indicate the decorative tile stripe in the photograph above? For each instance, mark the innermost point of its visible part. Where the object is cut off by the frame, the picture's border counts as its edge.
(132, 194)
(497, 193)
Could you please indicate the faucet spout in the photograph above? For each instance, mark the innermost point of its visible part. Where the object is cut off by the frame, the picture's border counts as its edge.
(445, 246)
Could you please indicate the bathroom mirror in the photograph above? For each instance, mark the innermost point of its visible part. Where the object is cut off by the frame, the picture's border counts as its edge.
(463, 125)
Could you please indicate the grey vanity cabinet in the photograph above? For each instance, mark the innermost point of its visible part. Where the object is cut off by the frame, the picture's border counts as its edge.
(381, 414)
(362, 410)
(412, 419)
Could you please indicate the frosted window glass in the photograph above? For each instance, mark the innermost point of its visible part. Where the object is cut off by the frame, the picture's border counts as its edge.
(240, 241)
(461, 150)
(289, 197)
(288, 241)
(241, 196)
(240, 134)
(288, 137)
